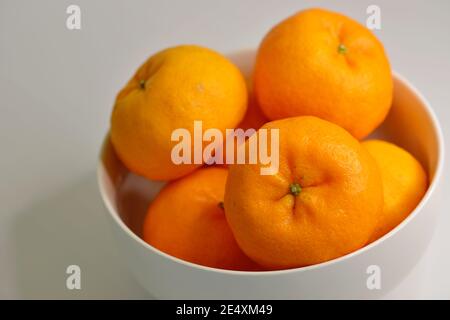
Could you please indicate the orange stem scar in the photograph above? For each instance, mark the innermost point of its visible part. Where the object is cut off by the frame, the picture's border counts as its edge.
(295, 189)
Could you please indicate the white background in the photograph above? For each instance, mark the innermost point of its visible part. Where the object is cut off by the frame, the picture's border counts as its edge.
(56, 91)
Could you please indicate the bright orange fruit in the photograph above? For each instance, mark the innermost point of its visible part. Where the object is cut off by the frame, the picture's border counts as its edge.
(404, 183)
(323, 203)
(187, 221)
(254, 117)
(324, 64)
(170, 91)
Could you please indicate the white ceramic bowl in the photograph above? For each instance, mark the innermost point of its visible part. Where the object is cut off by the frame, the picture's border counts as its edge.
(411, 124)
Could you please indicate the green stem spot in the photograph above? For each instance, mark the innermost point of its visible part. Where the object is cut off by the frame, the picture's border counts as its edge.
(295, 189)
(342, 49)
(142, 84)
(220, 204)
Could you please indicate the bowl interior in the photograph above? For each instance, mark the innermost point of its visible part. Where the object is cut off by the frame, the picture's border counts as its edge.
(410, 124)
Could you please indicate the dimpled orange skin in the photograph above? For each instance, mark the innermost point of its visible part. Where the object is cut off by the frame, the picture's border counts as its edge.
(170, 91)
(404, 183)
(335, 212)
(187, 221)
(324, 64)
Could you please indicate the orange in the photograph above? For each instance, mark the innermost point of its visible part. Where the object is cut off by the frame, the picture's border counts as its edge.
(187, 221)
(323, 203)
(254, 118)
(404, 183)
(324, 64)
(169, 91)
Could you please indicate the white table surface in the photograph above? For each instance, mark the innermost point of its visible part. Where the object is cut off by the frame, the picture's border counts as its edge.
(56, 91)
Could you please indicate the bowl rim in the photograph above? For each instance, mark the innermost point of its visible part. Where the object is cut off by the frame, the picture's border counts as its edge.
(437, 176)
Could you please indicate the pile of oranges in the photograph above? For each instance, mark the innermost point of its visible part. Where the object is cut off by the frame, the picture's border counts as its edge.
(324, 81)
